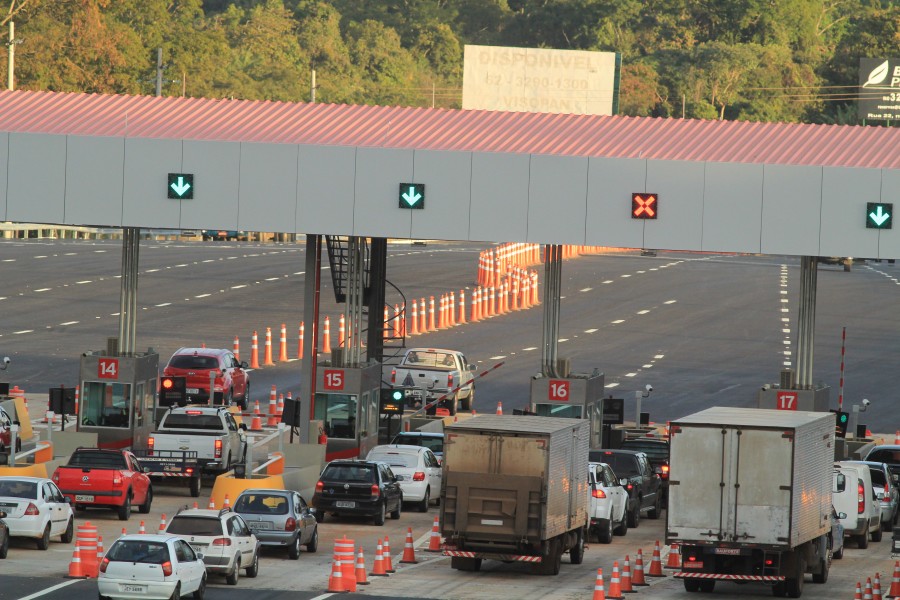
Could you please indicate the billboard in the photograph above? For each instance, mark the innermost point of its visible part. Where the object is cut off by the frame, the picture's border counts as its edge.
(879, 89)
(541, 80)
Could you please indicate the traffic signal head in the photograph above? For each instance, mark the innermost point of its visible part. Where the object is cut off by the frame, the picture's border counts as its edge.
(392, 401)
(842, 420)
(172, 391)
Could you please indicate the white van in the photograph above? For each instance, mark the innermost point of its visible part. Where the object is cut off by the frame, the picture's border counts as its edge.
(854, 496)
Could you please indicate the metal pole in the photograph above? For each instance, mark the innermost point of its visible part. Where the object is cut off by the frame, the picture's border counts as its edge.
(310, 339)
(11, 66)
(312, 86)
(159, 70)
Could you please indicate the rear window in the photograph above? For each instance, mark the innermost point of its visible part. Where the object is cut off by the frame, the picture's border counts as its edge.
(261, 504)
(409, 461)
(194, 362)
(884, 456)
(187, 525)
(877, 477)
(18, 489)
(138, 551)
(622, 464)
(435, 444)
(654, 451)
(103, 460)
(344, 472)
(432, 360)
(188, 421)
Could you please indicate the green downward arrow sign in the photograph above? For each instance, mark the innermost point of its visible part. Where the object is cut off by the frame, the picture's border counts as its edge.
(412, 195)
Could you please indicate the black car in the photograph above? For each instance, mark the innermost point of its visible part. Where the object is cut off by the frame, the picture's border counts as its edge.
(358, 488)
(657, 451)
(644, 486)
(4, 536)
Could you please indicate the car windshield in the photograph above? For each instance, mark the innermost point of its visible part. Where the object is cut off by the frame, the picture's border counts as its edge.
(103, 460)
(194, 362)
(187, 525)
(624, 465)
(884, 455)
(261, 504)
(432, 360)
(878, 478)
(655, 451)
(13, 488)
(193, 421)
(345, 472)
(138, 551)
(395, 459)
(435, 444)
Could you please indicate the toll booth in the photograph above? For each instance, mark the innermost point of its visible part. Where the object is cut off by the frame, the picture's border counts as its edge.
(347, 403)
(576, 397)
(118, 397)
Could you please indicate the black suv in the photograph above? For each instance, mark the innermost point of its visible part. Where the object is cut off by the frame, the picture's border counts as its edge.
(358, 488)
(657, 451)
(644, 486)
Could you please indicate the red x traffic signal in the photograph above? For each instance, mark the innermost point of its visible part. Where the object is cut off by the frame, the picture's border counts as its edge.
(644, 206)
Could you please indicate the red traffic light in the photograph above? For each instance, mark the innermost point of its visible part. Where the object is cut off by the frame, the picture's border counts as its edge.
(644, 206)
(167, 383)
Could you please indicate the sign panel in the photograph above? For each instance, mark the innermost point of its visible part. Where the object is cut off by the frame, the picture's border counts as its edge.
(334, 380)
(644, 206)
(181, 186)
(559, 390)
(879, 89)
(879, 215)
(613, 411)
(412, 195)
(786, 401)
(544, 80)
(108, 368)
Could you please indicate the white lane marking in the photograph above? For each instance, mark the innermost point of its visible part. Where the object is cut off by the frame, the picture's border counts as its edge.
(299, 273)
(785, 331)
(43, 290)
(586, 290)
(491, 358)
(9, 260)
(202, 295)
(646, 366)
(630, 374)
(99, 251)
(785, 320)
(529, 349)
(785, 310)
(670, 301)
(784, 299)
(166, 304)
(590, 330)
(608, 281)
(561, 340)
(152, 270)
(786, 342)
(643, 312)
(270, 279)
(237, 287)
(41, 256)
(23, 331)
(179, 266)
(235, 257)
(783, 291)
(209, 260)
(625, 276)
(616, 322)
(611, 385)
(639, 272)
(83, 282)
(70, 254)
(49, 590)
(70, 323)
(659, 356)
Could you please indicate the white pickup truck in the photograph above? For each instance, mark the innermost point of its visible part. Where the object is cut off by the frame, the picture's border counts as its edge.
(426, 374)
(210, 431)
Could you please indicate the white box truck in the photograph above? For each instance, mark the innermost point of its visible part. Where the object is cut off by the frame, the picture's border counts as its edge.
(515, 489)
(750, 497)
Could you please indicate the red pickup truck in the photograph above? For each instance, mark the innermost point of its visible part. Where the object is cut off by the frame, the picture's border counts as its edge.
(105, 479)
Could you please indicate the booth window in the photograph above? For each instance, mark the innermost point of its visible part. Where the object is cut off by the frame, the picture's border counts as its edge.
(106, 404)
(338, 413)
(558, 410)
(364, 415)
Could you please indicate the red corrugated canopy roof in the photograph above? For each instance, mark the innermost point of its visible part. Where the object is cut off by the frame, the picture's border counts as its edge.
(444, 129)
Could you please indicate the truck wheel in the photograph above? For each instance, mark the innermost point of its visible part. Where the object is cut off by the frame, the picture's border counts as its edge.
(605, 531)
(707, 585)
(778, 590)
(195, 484)
(470, 401)
(691, 585)
(461, 563)
(124, 511)
(862, 540)
(551, 562)
(876, 535)
(145, 507)
(822, 575)
(794, 586)
(839, 553)
(576, 553)
(634, 517)
(657, 508)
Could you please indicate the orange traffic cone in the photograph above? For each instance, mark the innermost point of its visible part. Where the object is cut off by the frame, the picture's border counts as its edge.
(124, 531)
(894, 592)
(211, 505)
(499, 408)
(162, 523)
(272, 420)
(876, 587)
(100, 552)
(141, 529)
(343, 553)
(637, 578)
(361, 568)
(336, 581)
(615, 587)
(267, 360)
(858, 594)
(434, 542)
(75, 571)
(897, 438)
(674, 561)
(626, 577)
(254, 351)
(227, 502)
(655, 563)
(867, 592)
(599, 594)
(378, 568)
(409, 552)
(195, 505)
(256, 424)
(386, 555)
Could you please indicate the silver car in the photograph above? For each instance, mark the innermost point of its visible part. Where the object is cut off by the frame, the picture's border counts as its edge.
(279, 518)
(885, 485)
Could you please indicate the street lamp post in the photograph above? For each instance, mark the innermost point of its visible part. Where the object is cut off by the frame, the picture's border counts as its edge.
(11, 57)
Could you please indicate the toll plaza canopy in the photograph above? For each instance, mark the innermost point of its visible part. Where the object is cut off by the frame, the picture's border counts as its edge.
(492, 176)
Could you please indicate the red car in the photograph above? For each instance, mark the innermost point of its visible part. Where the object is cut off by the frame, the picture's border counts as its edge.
(232, 383)
(105, 479)
(5, 433)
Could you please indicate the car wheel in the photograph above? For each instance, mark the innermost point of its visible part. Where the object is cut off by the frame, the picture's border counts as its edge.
(228, 398)
(605, 532)
(148, 501)
(124, 511)
(4, 546)
(245, 399)
(822, 575)
(876, 535)
(43, 542)
(382, 511)
(253, 569)
(195, 483)
(862, 540)
(320, 516)
(176, 595)
(294, 549)
(622, 528)
(232, 578)
(66, 537)
(657, 508)
(634, 517)
(423, 505)
(395, 514)
(313, 543)
(201, 591)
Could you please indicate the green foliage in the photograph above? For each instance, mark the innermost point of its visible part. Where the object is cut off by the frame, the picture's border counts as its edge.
(766, 60)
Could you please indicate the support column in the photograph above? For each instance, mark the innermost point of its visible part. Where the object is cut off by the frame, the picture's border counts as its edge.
(131, 237)
(352, 352)
(377, 279)
(552, 286)
(311, 289)
(806, 322)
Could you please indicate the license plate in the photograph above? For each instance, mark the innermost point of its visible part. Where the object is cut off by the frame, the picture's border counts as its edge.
(171, 468)
(345, 504)
(138, 589)
(7, 505)
(192, 391)
(259, 525)
(729, 551)
(691, 565)
(79, 498)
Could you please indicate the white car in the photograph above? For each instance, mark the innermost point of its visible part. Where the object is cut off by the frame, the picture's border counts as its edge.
(417, 469)
(221, 538)
(151, 567)
(608, 503)
(35, 508)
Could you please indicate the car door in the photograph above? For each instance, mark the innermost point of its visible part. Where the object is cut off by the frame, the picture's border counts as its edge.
(245, 540)
(190, 567)
(434, 473)
(305, 521)
(391, 487)
(237, 374)
(140, 482)
(52, 500)
(616, 492)
(649, 483)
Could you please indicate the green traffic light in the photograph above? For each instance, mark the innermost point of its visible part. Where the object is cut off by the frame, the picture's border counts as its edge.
(397, 395)
(844, 418)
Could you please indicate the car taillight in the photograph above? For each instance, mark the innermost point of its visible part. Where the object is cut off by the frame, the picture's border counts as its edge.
(319, 486)
(393, 376)
(598, 493)
(665, 472)
(629, 487)
(103, 564)
(151, 443)
(376, 491)
(167, 568)
(290, 524)
(860, 498)
(449, 380)
(218, 452)
(55, 477)
(221, 541)
(419, 476)
(32, 510)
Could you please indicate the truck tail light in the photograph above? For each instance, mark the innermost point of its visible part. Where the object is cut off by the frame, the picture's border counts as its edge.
(167, 568)
(419, 476)
(598, 493)
(393, 376)
(32, 510)
(449, 381)
(376, 492)
(189, 470)
(290, 524)
(319, 486)
(860, 498)
(151, 443)
(218, 451)
(222, 541)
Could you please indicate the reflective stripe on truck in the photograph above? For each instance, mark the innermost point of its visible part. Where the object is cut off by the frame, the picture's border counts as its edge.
(493, 556)
(764, 578)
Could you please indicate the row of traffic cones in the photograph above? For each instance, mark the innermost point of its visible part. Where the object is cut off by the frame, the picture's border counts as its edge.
(346, 574)
(872, 589)
(625, 581)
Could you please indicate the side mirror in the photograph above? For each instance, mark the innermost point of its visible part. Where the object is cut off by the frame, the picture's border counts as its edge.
(895, 477)
(473, 367)
(245, 364)
(842, 515)
(243, 427)
(2, 514)
(623, 482)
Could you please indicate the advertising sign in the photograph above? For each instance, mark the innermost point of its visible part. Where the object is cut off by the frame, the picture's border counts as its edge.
(879, 89)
